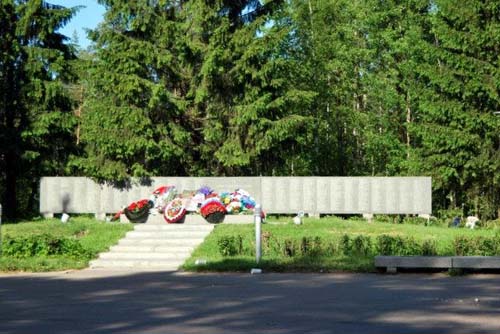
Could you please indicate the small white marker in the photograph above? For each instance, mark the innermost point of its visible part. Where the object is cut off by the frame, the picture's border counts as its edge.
(256, 271)
(64, 218)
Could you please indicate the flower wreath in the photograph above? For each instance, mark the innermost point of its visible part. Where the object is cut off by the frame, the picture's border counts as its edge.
(138, 212)
(162, 195)
(213, 210)
(175, 211)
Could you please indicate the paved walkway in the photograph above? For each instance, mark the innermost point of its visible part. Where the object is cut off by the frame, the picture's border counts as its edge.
(168, 302)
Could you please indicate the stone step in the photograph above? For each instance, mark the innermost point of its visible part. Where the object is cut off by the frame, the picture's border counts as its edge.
(160, 242)
(136, 264)
(154, 247)
(166, 234)
(149, 256)
(151, 248)
(172, 227)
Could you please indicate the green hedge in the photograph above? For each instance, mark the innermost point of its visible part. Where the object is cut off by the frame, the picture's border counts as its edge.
(483, 246)
(230, 245)
(355, 245)
(404, 246)
(44, 245)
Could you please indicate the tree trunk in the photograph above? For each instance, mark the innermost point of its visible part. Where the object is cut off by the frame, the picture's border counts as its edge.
(9, 200)
(11, 145)
(32, 201)
(408, 121)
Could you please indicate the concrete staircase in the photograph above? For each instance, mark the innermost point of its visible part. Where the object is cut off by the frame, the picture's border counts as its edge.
(154, 245)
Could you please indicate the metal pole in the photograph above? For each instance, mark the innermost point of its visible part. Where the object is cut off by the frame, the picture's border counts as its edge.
(258, 221)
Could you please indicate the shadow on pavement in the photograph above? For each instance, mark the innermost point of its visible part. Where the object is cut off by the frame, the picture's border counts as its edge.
(168, 302)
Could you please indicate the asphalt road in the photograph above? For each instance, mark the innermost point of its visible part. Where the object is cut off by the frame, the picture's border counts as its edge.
(161, 302)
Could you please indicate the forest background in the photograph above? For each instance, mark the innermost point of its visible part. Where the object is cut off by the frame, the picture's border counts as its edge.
(248, 88)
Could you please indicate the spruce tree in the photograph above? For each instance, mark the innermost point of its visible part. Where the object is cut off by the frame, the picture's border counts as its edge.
(135, 116)
(190, 88)
(254, 120)
(333, 51)
(36, 120)
(456, 128)
(396, 33)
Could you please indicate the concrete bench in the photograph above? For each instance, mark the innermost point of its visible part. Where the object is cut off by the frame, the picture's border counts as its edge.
(476, 262)
(392, 263)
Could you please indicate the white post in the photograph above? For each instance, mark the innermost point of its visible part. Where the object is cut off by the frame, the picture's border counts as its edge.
(258, 221)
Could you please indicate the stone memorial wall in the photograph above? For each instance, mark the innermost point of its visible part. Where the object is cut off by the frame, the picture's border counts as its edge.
(314, 195)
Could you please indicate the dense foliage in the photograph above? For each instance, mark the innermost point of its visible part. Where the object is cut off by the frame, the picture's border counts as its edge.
(43, 245)
(269, 87)
(48, 245)
(355, 245)
(36, 118)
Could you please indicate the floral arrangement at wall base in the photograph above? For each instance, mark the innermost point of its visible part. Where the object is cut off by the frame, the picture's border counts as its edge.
(162, 196)
(138, 212)
(175, 211)
(213, 210)
(204, 201)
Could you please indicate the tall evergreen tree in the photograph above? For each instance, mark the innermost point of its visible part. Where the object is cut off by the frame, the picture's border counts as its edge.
(254, 124)
(191, 87)
(135, 119)
(36, 123)
(456, 130)
(397, 31)
(333, 50)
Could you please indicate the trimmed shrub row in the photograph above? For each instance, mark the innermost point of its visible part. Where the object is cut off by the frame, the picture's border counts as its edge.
(230, 245)
(44, 245)
(404, 246)
(482, 246)
(355, 245)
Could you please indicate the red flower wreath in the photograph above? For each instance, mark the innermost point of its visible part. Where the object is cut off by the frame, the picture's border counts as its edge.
(138, 206)
(138, 212)
(213, 211)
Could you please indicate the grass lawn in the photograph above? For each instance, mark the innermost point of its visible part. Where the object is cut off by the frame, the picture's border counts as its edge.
(278, 237)
(95, 236)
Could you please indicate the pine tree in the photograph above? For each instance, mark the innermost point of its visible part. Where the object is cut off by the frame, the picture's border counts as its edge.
(397, 30)
(456, 129)
(333, 50)
(36, 123)
(192, 87)
(254, 122)
(135, 119)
